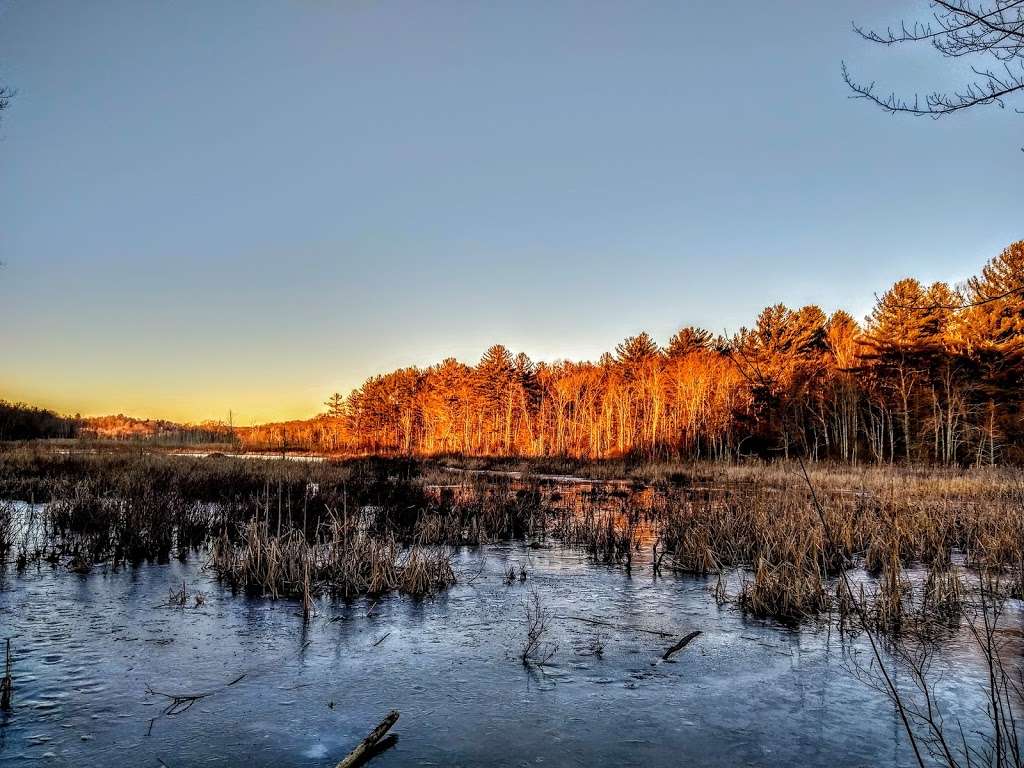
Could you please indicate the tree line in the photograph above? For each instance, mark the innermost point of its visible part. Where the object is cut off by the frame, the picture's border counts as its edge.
(933, 374)
(159, 431)
(19, 421)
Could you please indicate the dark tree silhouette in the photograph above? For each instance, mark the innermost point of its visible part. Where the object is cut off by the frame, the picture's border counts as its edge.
(989, 32)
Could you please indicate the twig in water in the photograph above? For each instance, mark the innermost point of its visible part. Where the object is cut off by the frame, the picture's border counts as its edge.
(179, 702)
(365, 747)
(182, 702)
(622, 627)
(687, 639)
(473, 576)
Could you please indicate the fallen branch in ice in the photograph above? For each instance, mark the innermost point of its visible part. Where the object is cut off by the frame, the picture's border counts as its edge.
(598, 623)
(181, 702)
(366, 746)
(680, 645)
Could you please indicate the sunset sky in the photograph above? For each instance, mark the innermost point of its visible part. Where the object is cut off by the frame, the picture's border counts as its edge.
(222, 206)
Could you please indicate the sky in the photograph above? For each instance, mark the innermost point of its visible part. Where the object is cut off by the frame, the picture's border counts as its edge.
(214, 207)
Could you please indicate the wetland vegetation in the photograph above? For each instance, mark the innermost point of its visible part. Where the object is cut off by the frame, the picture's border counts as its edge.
(905, 559)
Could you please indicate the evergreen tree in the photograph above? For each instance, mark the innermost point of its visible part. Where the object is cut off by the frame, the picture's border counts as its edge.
(637, 349)
(688, 340)
(335, 405)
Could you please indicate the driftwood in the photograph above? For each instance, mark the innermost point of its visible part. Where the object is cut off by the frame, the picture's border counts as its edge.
(366, 746)
(687, 639)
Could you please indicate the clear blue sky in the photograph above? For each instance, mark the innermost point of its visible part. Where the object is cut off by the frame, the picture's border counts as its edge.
(210, 206)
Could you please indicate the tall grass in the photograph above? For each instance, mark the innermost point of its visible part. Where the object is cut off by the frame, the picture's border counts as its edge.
(288, 528)
(344, 559)
(280, 528)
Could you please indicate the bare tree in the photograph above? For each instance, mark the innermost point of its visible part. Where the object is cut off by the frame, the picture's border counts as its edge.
(988, 31)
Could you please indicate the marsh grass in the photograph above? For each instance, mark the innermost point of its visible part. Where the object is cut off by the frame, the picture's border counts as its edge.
(944, 527)
(279, 528)
(344, 559)
(375, 525)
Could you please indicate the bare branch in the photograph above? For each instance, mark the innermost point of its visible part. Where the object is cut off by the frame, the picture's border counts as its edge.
(994, 29)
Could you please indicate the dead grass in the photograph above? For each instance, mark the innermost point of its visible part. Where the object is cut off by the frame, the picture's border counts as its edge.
(374, 525)
(344, 559)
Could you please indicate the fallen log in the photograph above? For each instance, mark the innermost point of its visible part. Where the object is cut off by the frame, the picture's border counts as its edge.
(362, 750)
(680, 645)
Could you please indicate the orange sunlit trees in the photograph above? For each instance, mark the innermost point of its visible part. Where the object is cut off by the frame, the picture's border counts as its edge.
(935, 374)
(908, 335)
(783, 358)
(993, 334)
(841, 399)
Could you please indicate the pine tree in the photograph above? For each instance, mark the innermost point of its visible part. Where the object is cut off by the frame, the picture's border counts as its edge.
(494, 379)
(996, 320)
(993, 332)
(637, 349)
(687, 340)
(335, 405)
(904, 333)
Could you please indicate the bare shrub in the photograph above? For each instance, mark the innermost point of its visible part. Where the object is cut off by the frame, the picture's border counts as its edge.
(536, 650)
(992, 737)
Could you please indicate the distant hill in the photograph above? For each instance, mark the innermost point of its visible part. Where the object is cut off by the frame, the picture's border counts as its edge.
(121, 427)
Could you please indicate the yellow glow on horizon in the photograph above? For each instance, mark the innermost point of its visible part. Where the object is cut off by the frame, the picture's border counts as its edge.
(243, 408)
(91, 393)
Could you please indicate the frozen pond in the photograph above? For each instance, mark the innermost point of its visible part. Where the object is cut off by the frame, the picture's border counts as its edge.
(88, 648)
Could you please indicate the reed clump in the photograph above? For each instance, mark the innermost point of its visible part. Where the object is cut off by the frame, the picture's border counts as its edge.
(344, 559)
(888, 605)
(945, 593)
(888, 522)
(608, 537)
(783, 591)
